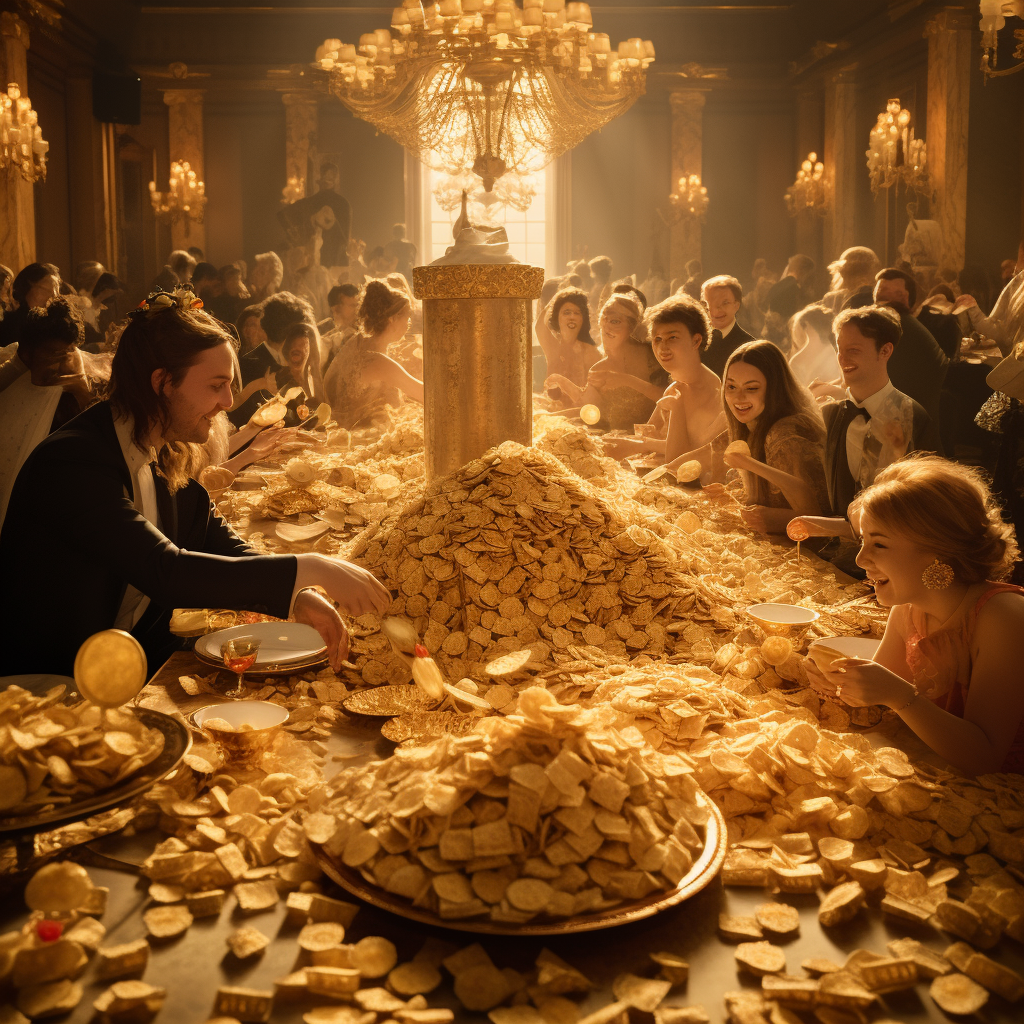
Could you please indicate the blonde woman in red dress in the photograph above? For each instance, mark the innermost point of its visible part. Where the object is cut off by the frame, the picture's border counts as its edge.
(934, 546)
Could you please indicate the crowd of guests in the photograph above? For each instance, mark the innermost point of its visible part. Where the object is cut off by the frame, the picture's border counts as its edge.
(847, 414)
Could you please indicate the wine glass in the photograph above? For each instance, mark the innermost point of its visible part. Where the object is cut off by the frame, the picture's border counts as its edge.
(239, 655)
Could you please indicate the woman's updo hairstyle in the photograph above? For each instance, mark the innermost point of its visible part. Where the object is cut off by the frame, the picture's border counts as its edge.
(380, 303)
(947, 508)
(59, 320)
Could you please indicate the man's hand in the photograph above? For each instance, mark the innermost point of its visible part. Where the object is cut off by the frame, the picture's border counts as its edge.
(315, 610)
(354, 590)
(965, 302)
(823, 390)
(268, 441)
(819, 526)
(270, 382)
(621, 447)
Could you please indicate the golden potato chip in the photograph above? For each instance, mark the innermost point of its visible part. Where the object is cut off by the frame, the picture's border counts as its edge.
(256, 896)
(558, 1010)
(321, 935)
(841, 904)
(643, 994)
(246, 941)
(776, 650)
(780, 918)
(167, 922)
(374, 957)
(760, 958)
(590, 414)
(481, 988)
(377, 1000)
(49, 1000)
(122, 743)
(736, 928)
(50, 962)
(529, 894)
(337, 982)
(509, 664)
(61, 886)
(414, 978)
(957, 994)
(338, 1015)
(162, 892)
(118, 961)
(737, 448)
(689, 471)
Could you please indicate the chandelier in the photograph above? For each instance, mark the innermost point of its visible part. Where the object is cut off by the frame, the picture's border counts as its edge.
(807, 193)
(509, 190)
(894, 155)
(22, 145)
(689, 201)
(185, 198)
(485, 85)
(993, 18)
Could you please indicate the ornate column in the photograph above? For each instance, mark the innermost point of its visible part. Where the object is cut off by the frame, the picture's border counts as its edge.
(687, 158)
(843, 157)
(185, 131)
(949, 88)
(17, 207)
(809, 139)
(300, 128)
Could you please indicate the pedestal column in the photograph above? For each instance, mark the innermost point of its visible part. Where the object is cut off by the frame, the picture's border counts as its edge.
(300, 127)
(844, 153)
(17, 207)
(687, 158)
(949, 88)
(185, 132)
(477, 359)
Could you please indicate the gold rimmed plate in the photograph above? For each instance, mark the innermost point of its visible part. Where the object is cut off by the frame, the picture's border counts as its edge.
(177, 741)
(288, 669)
(427, 725)
(389, 701)
(285, 647)
(704, 869)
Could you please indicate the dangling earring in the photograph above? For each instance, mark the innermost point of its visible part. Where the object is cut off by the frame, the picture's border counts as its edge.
(938, 576)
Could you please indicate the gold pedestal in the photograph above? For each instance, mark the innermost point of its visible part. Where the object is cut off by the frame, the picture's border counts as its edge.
(477, 359)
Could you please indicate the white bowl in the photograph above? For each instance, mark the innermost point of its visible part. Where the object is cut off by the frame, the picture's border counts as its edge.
(260, 714)
(782, 619)
(861, 647)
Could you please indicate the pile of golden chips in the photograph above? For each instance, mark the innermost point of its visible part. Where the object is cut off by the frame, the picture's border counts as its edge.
(554, 811)
(513, 551)
(51, 754)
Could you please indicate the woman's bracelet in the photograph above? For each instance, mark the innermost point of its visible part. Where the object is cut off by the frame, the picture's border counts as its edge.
(904, 706)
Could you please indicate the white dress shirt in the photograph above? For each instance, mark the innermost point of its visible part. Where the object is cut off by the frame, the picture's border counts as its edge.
(858, 430)
(140, 465)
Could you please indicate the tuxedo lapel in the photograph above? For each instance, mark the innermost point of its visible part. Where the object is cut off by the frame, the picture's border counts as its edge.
(167, 508)
(841, 485)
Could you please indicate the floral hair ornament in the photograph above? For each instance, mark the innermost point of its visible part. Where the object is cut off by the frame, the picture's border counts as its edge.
(157, 302)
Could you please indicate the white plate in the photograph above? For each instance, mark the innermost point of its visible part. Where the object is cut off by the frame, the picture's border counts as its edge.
(862, 647)
(281, 643)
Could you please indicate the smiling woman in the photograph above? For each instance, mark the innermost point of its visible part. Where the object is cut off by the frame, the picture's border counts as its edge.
(935, 546)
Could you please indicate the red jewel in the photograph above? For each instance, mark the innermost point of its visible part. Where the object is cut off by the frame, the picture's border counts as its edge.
(421, 651)
(49, 931)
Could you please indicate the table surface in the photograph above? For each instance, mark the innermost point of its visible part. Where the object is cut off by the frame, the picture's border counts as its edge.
(193, 966)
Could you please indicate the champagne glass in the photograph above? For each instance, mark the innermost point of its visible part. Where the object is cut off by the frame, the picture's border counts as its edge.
(239, 656)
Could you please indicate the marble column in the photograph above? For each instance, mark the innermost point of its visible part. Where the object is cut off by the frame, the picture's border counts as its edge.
(950, 54)
(185, 130)
(17, 207)
(687, 158)
(89, 213)
(300, 128)
(844, 159)
(809, 139)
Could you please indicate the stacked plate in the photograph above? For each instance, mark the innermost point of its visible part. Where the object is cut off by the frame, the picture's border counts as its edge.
(285, 647)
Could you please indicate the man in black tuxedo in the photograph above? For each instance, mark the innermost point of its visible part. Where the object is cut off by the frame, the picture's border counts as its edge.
(107, 528)
(723, 296)
(787, 296)
(871, 427)
(918, 366)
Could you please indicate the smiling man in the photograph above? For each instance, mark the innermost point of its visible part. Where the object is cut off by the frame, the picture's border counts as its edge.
(107, 528)
(873, 427)
(723, 297)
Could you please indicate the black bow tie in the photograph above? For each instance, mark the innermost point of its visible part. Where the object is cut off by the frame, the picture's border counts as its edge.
(853, 411)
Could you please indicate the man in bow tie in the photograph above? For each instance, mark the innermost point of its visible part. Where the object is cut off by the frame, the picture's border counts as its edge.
(873, 426)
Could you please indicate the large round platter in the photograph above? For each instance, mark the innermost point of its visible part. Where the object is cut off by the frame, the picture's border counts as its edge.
(704, 869)
(284, 647)
(177, 741)
(388, 701)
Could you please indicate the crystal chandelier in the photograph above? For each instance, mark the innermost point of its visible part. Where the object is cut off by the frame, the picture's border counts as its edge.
(509, 190)
(22, 145)
(808, 193)
(894, 155)
(690, 200)
(485, 85)
(185, 198)
(993, 17)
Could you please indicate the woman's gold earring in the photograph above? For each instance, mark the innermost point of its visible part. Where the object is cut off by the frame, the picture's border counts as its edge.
(938, 576)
